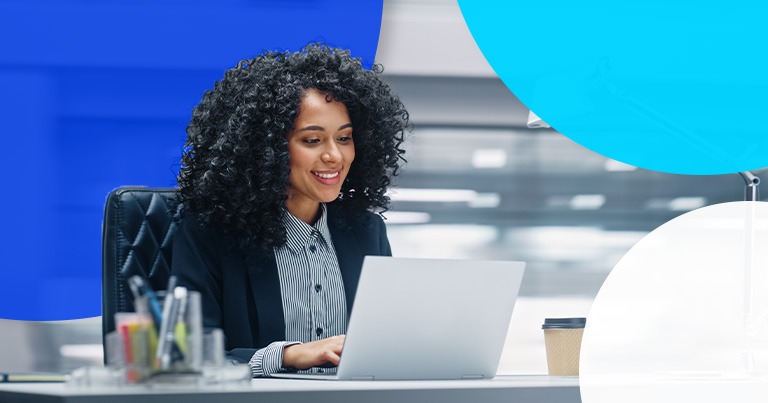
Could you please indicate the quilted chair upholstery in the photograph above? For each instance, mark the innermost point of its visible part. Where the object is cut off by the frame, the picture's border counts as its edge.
(137, 238)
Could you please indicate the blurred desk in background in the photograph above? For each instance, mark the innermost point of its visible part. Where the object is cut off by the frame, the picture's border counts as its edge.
(57, 346)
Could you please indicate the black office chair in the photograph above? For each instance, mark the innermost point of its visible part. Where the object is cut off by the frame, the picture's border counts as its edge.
(137, 238)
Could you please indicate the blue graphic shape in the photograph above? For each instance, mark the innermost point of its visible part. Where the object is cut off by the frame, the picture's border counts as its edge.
(96, 95)
(677, 87)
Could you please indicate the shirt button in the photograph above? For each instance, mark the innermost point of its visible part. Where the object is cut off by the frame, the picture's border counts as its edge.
(318, 287)
(319, 331)
(312, 248)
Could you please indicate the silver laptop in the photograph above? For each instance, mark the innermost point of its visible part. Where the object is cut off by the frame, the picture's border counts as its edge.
(427, 319)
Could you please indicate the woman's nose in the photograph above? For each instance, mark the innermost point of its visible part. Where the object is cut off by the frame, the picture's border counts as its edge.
(331, 154)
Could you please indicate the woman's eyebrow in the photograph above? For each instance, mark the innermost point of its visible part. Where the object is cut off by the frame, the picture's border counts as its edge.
(320, 128)
(312, 128)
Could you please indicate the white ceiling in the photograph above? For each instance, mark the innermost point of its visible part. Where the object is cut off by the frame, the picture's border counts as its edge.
(428, 38)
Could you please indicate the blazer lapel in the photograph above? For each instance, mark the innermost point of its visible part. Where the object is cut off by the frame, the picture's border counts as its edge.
(265, 284)
(348, 252)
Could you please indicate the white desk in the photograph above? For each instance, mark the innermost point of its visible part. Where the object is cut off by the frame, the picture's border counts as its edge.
(507, 389)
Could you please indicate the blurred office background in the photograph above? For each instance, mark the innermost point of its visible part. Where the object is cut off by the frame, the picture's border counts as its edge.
(478, 185)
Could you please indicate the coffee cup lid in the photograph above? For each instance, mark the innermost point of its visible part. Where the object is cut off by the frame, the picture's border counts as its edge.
(564, 323)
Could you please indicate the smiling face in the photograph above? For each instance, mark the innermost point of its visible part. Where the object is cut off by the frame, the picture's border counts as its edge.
(321, 151)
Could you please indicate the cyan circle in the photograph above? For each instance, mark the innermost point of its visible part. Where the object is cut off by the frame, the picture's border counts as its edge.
(676, 86)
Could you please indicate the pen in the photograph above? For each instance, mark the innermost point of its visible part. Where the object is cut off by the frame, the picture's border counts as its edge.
(181, 323)
(139, 287)
(171, 284)
(162, 355)
(134, 284)
(167, 349)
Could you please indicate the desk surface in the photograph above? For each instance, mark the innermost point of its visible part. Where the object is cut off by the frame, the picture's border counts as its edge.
(512, 389)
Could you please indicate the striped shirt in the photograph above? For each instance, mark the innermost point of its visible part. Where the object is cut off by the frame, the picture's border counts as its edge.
(312, 291)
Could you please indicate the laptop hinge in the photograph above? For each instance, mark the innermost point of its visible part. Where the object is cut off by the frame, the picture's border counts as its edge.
(362, 378)
(472, 377)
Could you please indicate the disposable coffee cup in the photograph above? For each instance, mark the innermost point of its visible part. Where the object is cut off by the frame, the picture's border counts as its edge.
(562, 337)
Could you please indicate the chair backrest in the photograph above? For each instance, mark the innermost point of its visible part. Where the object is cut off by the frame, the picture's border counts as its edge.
(137, 238)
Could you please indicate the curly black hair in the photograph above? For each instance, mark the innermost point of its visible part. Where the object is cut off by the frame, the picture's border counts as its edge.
(234, 169)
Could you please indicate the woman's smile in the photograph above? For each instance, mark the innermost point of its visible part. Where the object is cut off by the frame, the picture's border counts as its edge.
(327, 178)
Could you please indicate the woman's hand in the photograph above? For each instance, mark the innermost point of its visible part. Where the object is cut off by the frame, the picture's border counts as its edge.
(314, 354)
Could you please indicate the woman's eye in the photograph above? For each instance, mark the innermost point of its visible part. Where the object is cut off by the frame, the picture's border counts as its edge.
(312, 141)
(345, 139)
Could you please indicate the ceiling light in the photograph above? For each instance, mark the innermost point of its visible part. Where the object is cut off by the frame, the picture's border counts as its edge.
(658, 204)
(407, 217)
(432, 195)
(535, 122)
(618, 166)
(587, 202)
(486, 200)
(686, 203)
(489, 158)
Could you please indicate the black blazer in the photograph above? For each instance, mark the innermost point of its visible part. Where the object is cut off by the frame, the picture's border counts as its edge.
(240, 290)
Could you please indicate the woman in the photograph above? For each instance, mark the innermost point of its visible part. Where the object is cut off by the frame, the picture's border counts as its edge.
(285, 159)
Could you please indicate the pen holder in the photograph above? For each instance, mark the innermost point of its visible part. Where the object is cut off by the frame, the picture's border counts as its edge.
(164, 338)
(214, 370)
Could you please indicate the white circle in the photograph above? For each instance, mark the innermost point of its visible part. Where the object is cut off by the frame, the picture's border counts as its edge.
(684, 315)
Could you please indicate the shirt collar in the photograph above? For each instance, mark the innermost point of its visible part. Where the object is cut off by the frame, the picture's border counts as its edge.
(299, 233)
